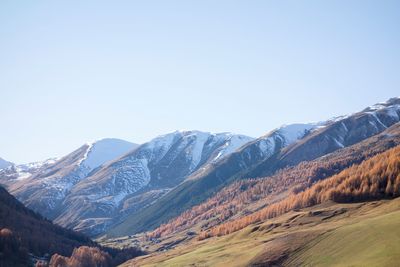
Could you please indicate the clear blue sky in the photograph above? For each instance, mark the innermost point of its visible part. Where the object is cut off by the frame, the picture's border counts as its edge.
(75, 71)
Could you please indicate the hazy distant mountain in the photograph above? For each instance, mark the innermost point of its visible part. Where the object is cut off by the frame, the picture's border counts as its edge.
(262, 157)
(14, 173)
(4, 163)
(46, 188)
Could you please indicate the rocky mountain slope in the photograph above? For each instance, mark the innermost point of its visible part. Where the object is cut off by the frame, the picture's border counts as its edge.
(263, 157)
(249, 195)
(130, 183)
(97, 184)
(117, 186)
(4, 163)
(348, 216)
(43, 186)
(14, 173)
(195, 187)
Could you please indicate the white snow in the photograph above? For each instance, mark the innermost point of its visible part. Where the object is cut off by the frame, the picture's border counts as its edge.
(232, 144)
(339, 118)
(4, 164)
(393, 112)
(377, 119)
(131, 176)
(131, 173)
(89, 147)
(377, 106)
(160, 145)
(338, 143)
(267, 146)
(391, 103)
(23, 175)
(105, 150)
(24, 171)
(293, 132)
(197, 148)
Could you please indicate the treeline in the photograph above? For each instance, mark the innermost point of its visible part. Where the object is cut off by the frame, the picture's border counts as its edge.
(375, 178)
(26, 236)
(37, 234)
(235, 199)
(94, 256)
(11, 253)
(83, 256)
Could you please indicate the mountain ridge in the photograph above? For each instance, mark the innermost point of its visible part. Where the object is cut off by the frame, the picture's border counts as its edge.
(142, 176)
(247, 163)
(44, 189)
(4, 163)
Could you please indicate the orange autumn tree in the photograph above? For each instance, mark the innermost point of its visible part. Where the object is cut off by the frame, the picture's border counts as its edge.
(375, 178)
(234, 199)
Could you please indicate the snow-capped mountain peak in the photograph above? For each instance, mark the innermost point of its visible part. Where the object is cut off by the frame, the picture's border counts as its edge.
(151, 169)
(293, 132)
(52, 180)
(101, 151)
(4, 163)
(395, 101)
(19, 172)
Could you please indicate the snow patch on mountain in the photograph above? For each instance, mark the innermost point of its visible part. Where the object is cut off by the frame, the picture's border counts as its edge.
(197, 148)
(4, 163)
(293, 132)
(105, 150)
(24, 171)
(160, 145)
(393, 112)
(233, 144)
(267, 146)
(392, 102)
(87, 151)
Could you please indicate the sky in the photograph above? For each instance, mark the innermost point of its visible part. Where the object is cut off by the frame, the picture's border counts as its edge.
(77, 71)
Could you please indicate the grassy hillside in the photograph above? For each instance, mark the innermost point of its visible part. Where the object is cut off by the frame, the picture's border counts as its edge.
(249, 195)
(375, 178)
(348, 219)
(330, 234)
(371, 242)
(238, 166)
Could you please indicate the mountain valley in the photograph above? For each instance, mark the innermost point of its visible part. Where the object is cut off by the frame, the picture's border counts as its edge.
(198, 198)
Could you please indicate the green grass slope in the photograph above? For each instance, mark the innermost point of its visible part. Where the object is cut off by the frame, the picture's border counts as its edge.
(330, 234)
(371, 242)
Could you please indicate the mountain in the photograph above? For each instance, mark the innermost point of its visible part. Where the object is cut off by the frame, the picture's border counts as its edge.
(14, 173)
(328, 234)
(263, 157)
(249, 195)
(128, 184)
(28, 239)
(98, 184)
(50, 182)
(340, 209)
(341, 132)
(4, 163)
(375, 178)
